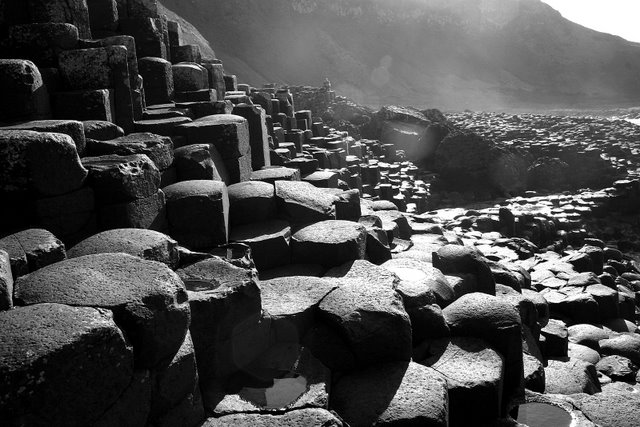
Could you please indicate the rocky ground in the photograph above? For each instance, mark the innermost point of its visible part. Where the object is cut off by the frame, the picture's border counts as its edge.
(178, 248)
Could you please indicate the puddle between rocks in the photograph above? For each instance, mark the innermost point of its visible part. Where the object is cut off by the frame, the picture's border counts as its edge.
(543, 415)
(277, 392)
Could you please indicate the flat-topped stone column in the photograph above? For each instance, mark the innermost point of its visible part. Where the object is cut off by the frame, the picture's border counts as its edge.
(228, 135)
(101, 68)
(258, 135)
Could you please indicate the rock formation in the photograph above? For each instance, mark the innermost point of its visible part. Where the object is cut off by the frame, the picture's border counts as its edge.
(180, 248)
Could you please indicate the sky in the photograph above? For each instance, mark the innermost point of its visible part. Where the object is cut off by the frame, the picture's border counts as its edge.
(619, 17)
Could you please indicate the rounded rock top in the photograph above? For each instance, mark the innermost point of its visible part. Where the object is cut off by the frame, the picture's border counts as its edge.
(221, 119)
(199, 187)
(330, 231)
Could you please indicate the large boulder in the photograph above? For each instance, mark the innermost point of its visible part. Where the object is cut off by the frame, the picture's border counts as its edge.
(146, 244)
(329, 243)
(149, 300)
(400, 393)
(117, 178)
(496, 321)
(225, 309)
(467, 159)
(291, 304)
(455, 259)
(474, 374)
(269, 242)
(612, 409)
(60, 365)
(421, 277)
(198, 213)
(46, 163)
(571, 377)
(372, 318)
(251, 201)
(301, 202)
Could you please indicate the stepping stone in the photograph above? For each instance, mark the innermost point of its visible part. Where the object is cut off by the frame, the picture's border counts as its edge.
(312, 417)
(68, 127)
(6, 282)
(421, 278)
(47, 163)
(330, 243)
(117, 178)
(627, 345)
(269, 242)
(228, 134)
(301, 202)
(584, 353)
(489, 318)
(612, 409)
(453, 259)
(575, 305)
(400, 393)
(391, 218)
(251, 201)
(146, 244)
(79, 355)
(32, 249)
(323, 179)
(198, 213)
(290, 303)
(607, 300)
(474, 377)
(194, 162)
(574, 376)
(153, 314)
(101, 130)
(225, 314)
(189, 77)
(365, 270)
(158, 148)
(25, 95)
(273, 174)
(372, 318)
(587, 335)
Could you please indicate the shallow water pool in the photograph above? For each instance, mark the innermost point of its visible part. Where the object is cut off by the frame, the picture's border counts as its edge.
(543, 415)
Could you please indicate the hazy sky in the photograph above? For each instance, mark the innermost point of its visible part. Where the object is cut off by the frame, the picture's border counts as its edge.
(619, 17)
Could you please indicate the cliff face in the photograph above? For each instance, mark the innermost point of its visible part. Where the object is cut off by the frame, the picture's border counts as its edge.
(443, 53)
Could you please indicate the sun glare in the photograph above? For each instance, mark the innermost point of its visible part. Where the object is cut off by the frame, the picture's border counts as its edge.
(619, 17)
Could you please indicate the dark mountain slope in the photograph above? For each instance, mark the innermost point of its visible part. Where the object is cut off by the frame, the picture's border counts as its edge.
(444, 53)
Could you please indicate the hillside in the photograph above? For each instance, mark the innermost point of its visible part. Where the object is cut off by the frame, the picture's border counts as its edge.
(447, 54)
